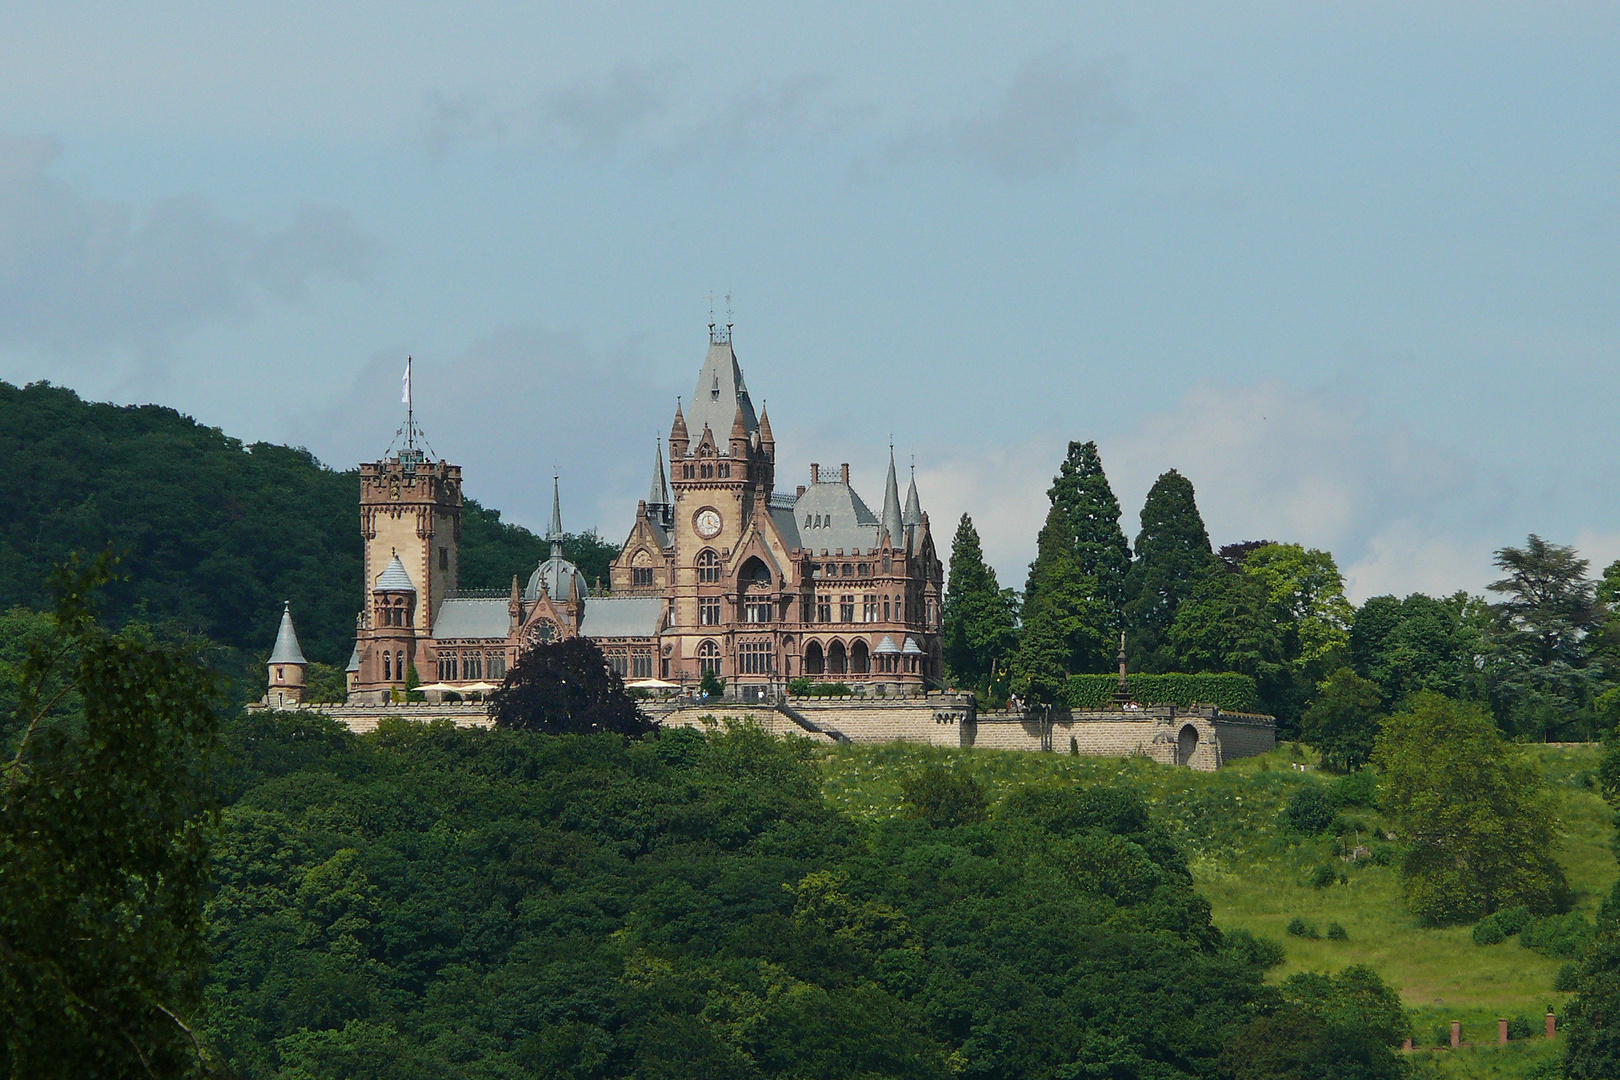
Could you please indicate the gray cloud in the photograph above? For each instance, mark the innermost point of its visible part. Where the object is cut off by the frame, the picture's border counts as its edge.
(1053, 112)
(78, 273)
(635, 113)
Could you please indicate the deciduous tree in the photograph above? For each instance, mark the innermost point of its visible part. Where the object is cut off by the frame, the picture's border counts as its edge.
(1479, 827)
(1342, 723)
(567, 687)
(104, 803)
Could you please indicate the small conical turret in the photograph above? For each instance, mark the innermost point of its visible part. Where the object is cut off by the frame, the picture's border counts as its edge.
(912, 514)
(679, 438)
(893, 530)
(765, 435)
(286, 666)
(739, 435)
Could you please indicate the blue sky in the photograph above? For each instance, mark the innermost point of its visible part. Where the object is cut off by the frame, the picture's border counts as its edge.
(1354, 269)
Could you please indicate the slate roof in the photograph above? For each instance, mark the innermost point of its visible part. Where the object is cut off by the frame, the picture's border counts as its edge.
(286, 650)
(553, 574)
(886, 646)
(354, 659)
(395, 579)
(720, 390)
(832, 516)
(622, 616)
(469, 617)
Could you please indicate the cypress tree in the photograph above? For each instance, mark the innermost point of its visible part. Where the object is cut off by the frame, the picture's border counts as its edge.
(1062, 606)
(1082, 491)
(978, 619)
(1172, 557)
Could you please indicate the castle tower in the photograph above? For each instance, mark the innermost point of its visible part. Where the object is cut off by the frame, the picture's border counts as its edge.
(410, 509)
(286, 666)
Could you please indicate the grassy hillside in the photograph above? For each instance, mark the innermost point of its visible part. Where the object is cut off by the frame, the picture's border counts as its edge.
(1257, 874)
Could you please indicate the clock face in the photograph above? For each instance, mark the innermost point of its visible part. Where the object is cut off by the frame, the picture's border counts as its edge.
(707, 523)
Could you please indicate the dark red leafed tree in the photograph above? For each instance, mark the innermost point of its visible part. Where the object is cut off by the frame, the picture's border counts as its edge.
(566, 687)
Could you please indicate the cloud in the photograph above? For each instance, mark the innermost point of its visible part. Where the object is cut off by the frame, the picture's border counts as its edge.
(1051, 114)
(79, 274)
(637, 113)
(1268, 461)
(508, 409)
(1053, 111)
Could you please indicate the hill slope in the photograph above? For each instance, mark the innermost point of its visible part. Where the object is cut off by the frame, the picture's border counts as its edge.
(215, 533)
(1257, 873)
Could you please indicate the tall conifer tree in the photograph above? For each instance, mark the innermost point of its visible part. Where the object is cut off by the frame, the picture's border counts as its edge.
(1082, 491)
(1063, 614)
(979, 615)
(1172, 557)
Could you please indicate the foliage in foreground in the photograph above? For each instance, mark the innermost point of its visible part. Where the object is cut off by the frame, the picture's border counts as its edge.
(428, 901)
(1479, 827)
(104, 798)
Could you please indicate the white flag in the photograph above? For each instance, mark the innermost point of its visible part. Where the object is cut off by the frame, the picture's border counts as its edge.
(405, 394)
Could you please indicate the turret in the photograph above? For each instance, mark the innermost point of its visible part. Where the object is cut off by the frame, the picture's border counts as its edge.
(891, 531)
(739, 436)
(679, 440)
(767, 441)
(286, 666)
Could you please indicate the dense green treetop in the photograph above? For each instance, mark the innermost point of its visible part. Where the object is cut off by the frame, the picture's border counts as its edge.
(1081, 490)
(1420, 643)
(1307, 586)
(1342, 723)
(1064, 621)
(980, 617)
(1480, 828)
(429, 901)
(104, 811)
(1172, 556)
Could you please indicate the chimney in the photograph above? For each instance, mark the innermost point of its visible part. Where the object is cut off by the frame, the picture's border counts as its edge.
(843, 473)
(815, 473)
(1456, 1034)
(801, 491)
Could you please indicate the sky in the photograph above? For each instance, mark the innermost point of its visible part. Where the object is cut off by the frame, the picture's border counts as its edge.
(1354, 270)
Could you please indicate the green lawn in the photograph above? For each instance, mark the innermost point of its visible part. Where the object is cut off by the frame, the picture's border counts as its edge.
(1256, 873)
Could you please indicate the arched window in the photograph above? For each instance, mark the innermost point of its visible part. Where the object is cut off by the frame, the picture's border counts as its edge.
(399, 666)
(759, 606)
(859, 660)
(708, 566)
(388, 666)
(709, 658)
(814, 663)
(835, 658)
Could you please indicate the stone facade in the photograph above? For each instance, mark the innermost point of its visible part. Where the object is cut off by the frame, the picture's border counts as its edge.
(761, 587)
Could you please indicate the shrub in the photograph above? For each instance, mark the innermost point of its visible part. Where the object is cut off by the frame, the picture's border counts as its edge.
(1336, 933)
(1563, 936)
(1310, 809)
(944, 798)
(1359, 788)
(1323, 876)
(1568, 978)
(1231, 692)
(1488, 932)
(1298, 927)
(1382, 854)
(1521, 1027)
(1074, 746)
(1260, 952)
(1513, 919)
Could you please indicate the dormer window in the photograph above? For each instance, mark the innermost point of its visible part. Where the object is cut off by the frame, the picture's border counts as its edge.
(714, 393)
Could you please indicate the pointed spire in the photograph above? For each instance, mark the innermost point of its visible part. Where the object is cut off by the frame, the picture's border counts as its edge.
(892, 526)
(659, 495)
(765, 435)
(287, 650)
(556, 533)
(517, 593)
(912, 514)
(677, 430)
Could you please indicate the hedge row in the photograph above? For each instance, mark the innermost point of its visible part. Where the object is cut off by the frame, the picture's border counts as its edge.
(1233, 693)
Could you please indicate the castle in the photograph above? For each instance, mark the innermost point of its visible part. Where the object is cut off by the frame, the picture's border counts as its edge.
(720, 573)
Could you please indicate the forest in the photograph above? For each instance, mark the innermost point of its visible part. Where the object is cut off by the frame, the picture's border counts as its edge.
(1541, 654)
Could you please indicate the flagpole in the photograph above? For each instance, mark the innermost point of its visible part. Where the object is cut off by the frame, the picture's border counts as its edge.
(410, 408)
